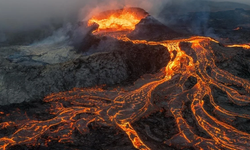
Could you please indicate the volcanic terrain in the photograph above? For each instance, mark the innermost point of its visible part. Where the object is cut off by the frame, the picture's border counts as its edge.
(131, 83)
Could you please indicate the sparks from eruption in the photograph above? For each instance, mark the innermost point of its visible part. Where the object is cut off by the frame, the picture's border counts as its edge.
(123, 108)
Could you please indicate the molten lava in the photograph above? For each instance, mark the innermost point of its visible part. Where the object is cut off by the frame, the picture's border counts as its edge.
(119, 20)
(238, 28)
(246, 46)
(121, 109)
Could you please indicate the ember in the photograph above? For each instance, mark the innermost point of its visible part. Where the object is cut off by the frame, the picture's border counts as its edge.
(238, 28)
(122, 108)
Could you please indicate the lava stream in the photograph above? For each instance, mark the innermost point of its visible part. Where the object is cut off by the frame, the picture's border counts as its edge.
(123, 108)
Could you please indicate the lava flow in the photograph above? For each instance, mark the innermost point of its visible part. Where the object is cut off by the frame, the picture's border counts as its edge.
(122, 108)
(246, 46)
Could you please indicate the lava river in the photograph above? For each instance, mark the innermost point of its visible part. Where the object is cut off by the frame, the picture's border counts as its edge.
(122, 108)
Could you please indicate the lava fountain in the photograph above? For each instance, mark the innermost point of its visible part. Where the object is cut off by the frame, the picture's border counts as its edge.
(122, 108)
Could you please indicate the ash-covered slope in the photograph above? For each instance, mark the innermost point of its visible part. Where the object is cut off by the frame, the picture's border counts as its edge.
(228, 22)
(151, 29)
(31, 77)
(32, 72)
(155, 129)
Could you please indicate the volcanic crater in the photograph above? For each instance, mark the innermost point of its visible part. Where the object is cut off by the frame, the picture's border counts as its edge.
(133, 83)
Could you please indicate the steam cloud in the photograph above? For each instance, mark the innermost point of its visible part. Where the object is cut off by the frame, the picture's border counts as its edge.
(27, 15)
(30, 15)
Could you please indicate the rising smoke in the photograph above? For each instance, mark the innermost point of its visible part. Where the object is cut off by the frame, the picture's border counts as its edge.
(30, 14)
(36, 20)
(44, 16)
(193, 16)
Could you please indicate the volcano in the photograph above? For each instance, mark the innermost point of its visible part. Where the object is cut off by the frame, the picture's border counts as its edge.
(134, 83)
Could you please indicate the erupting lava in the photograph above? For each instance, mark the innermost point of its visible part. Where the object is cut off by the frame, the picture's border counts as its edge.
(121, 108)
(119, 20)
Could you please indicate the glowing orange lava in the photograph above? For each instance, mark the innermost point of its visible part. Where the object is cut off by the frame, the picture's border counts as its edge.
(238, 28)
(122, 108)
(246, 46)
(121, 20)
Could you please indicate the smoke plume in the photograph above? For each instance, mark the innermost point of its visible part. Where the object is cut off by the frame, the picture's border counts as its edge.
(49, 15)
(29, 14)
(27, 21)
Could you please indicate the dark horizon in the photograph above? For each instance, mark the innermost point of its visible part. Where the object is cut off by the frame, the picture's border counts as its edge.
(28, 14)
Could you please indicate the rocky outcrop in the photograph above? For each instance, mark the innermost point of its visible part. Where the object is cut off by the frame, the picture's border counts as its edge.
(151, 29)
(33, 75)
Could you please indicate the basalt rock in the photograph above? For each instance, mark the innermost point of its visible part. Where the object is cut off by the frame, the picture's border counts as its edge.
(26, 77)
(152, 30)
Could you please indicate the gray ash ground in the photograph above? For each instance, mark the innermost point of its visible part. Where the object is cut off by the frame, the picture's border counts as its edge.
(117, 63)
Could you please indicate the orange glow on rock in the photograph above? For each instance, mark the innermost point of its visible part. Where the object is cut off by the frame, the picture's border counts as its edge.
(120, 20)
(121, 109)
(238, 28)
(245, 46)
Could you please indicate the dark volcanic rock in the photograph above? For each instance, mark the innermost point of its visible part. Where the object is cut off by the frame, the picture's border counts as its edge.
(233, 60)
(172, 108)
(151, 29)
(124, 63)
(228, 26)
